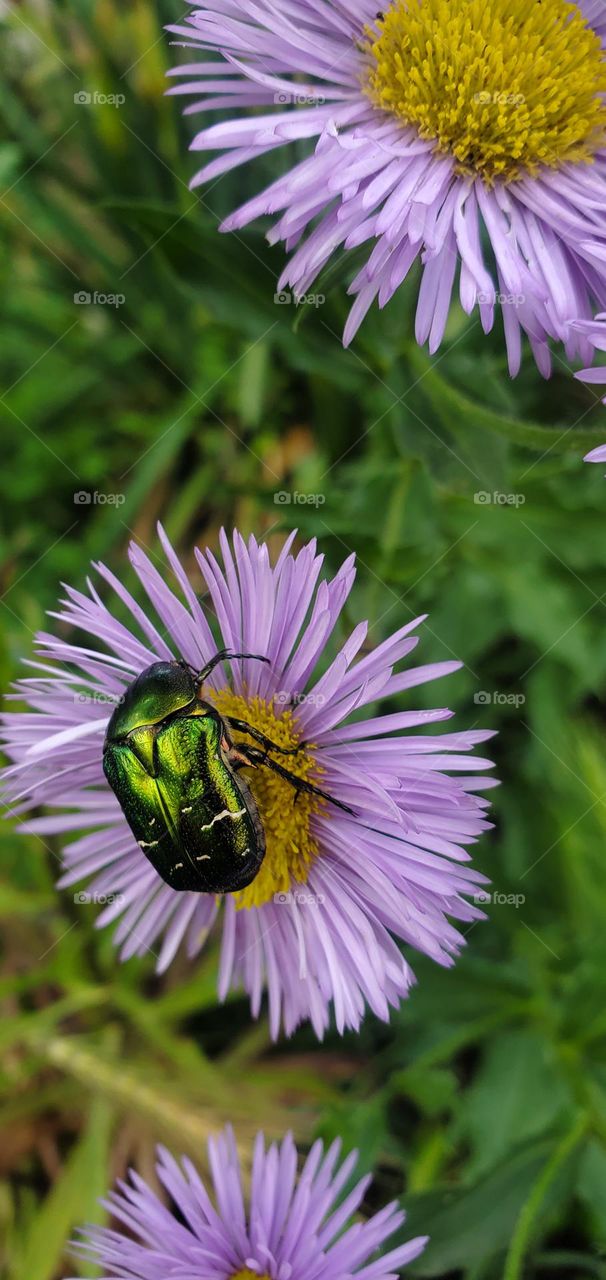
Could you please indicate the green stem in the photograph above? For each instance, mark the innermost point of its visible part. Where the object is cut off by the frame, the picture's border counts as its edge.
(530, 1211)
(184, 1120)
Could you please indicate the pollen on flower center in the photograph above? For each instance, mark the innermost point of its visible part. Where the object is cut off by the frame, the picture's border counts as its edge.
(505, 86)
(286, 816)
(247, 1274)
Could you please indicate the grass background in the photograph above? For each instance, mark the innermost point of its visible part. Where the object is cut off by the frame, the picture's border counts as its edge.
(198, 399)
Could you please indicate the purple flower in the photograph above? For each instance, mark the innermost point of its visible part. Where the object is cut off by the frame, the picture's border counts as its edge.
(430, 131)
(292, 1228)
(595, 332)
(318, 922)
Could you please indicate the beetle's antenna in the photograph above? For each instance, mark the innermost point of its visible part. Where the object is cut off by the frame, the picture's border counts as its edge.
(222, 656)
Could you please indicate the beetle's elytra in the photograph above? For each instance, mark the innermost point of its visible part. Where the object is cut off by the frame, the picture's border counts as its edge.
(171, 762)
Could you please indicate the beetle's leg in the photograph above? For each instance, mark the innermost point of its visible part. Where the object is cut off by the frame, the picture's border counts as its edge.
(256, 757)
(243, 727)
(222, 656)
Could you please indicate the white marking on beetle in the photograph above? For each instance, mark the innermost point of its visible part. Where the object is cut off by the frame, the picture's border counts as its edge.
(225, 814)
(188, 810)
(152, 822)
(148, 844)
(177, 866)
(204, 857)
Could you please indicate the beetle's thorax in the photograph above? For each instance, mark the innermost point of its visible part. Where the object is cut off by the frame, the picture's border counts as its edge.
(160, 691)
(142, 739)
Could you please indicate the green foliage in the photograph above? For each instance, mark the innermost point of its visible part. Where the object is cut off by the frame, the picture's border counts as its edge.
(198, 400)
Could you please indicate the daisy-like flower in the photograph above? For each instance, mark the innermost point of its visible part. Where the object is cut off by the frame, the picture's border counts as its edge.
(595, 332)
(383, 858)
(469, 135)
(292, 1228)
(596, 455)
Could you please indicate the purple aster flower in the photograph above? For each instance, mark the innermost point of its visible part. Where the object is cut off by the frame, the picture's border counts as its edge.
(437, 130)
(595, 332)
(291, 1228)
(337, 884)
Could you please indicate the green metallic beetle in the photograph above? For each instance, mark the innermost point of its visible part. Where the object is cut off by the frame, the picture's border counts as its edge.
(170, 761)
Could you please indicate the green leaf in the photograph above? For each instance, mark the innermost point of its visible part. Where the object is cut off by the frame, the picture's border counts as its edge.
(471, 1226)
(73, 1200)
(362, 1124)
(591, 1185)
(526, 1225)
(518, 1093)
(433, 1090)
(457, 411)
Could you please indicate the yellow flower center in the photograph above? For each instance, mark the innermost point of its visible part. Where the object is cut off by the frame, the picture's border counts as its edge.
(505, 86)
(286, 816)
(246, 1274)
